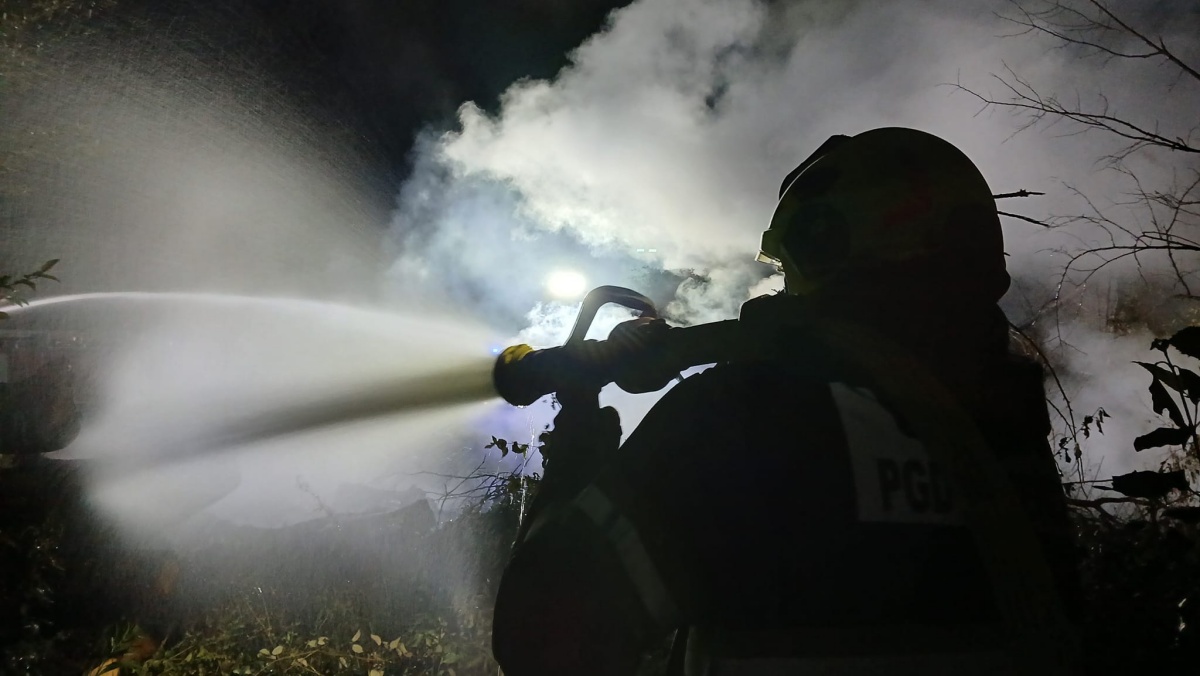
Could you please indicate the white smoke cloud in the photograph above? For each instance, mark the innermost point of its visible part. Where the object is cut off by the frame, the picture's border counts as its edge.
(673, 127)
(616, 148)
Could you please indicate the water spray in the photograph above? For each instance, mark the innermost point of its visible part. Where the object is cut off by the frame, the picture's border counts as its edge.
(202, 416)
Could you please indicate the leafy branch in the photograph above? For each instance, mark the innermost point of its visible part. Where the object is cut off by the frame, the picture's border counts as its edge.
(1175, 394)
(227, 646)
(12, 287)
(500, 487)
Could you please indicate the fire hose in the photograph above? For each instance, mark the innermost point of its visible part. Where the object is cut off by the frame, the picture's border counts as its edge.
(632, 356)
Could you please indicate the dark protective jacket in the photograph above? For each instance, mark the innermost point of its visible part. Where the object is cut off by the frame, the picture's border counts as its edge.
(785, 512)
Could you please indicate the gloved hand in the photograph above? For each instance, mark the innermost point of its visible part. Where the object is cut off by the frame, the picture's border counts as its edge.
(641, 346)
(582, 439)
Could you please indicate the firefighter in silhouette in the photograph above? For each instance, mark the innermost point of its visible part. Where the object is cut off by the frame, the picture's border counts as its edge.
(875, 494)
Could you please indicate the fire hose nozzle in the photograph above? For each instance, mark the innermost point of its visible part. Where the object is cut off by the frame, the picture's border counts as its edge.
(522, 374)
(635, 355)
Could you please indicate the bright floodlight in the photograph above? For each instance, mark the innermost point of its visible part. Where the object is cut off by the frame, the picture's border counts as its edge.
(566, 284)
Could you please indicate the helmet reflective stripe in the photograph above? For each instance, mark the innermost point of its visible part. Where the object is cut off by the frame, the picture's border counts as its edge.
(769, 251)
(636, 561)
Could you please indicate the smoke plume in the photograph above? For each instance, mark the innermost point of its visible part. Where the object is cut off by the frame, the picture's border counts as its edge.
(671, 130)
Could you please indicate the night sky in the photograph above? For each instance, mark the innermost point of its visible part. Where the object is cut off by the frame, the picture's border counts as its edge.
(385, 69)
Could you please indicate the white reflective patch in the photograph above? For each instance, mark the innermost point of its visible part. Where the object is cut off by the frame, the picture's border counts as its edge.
(894, 478)
(627, 545)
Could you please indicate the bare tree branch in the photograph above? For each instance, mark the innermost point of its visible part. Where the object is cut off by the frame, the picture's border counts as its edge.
(1158, 47)
(1064, 22)
(1020, 193)
(1027, 219)
(1025, 98)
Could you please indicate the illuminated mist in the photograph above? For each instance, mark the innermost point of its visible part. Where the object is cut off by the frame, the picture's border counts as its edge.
(199, 378)
(652, 161)
(246, 240)
(668, 135)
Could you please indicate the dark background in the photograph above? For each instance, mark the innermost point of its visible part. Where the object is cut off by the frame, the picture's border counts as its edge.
(351, 82)
(381, 68)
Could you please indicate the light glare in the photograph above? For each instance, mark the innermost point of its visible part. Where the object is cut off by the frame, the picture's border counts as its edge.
(566, 284)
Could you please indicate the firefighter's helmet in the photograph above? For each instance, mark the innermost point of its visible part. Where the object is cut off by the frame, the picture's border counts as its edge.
(886, 204)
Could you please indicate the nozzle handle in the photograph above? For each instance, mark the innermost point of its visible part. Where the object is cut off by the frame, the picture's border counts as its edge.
(522, 375)
(601, 296)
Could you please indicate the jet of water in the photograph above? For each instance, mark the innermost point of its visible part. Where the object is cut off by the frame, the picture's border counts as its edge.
(330, 404)
(276, 388)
